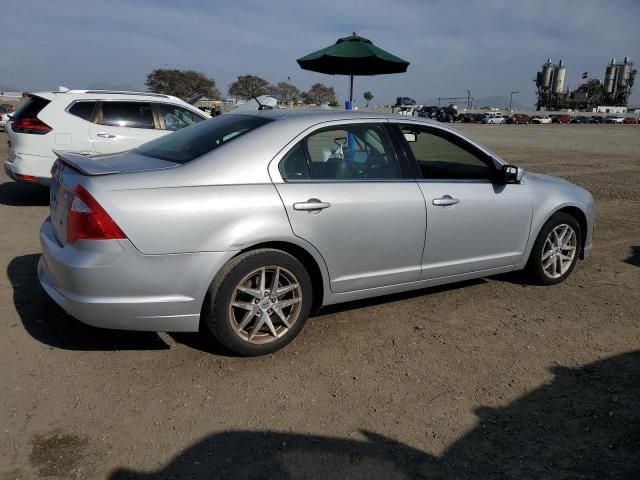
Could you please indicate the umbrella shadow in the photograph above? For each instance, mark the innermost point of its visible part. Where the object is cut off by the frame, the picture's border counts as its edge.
(584, 424)
(45, 321)
(634, 258)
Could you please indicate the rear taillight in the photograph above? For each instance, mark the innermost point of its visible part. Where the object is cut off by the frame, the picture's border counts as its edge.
(87, 220)
(30, 125)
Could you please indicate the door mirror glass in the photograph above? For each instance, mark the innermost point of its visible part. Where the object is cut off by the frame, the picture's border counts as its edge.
(410, 137)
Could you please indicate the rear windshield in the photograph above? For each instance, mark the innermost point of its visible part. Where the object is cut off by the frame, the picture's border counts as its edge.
(194, 141)
(31, 108)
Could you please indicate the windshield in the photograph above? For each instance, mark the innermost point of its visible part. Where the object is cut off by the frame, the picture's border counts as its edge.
(194, 141)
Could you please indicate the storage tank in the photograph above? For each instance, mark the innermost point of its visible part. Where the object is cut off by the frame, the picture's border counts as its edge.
(547, 72)
(623, 73)
(610, 77)
(558, 78)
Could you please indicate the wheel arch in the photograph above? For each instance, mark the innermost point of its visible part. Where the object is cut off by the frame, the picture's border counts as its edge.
(580, 216)
(307, 259)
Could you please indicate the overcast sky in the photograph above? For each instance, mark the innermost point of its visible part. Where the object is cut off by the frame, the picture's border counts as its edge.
(490, 47)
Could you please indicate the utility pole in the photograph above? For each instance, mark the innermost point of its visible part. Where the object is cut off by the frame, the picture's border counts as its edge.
(468, 99)
(511, 101)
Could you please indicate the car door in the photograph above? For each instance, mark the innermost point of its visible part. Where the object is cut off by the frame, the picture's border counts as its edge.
(346, 193)
(473, 223)
(123, 125)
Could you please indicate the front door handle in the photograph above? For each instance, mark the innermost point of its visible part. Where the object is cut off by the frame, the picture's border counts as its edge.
(311, 205)
(445, 201)
(105, 135)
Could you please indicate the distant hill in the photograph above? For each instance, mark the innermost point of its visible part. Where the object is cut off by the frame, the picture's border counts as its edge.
(4, 88)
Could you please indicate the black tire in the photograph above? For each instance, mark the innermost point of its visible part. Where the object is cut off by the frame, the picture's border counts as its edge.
(217, 312)
(535, 264)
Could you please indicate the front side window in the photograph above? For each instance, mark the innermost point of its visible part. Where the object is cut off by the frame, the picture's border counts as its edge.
(175, 117)
(193, 142)
(443, 156)
(348, 152)
(127, 114)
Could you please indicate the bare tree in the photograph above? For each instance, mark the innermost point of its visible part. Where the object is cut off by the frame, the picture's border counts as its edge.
(286, 93)
(319, 94)
(248, 86)
(181, 83)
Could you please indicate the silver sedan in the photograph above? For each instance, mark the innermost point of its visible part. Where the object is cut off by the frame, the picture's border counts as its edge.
(247, 223)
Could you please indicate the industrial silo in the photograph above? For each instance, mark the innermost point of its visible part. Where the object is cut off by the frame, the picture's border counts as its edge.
(610, 76)
(558, 78)
(623, 73)
(547, 72)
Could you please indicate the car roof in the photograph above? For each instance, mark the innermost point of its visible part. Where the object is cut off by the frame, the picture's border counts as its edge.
(322, 115)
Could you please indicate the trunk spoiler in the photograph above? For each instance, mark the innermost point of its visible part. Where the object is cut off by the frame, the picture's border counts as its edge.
(84, 164)
(124, 162)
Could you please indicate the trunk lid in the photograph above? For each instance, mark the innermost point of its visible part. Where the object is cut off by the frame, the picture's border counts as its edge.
(70, 168)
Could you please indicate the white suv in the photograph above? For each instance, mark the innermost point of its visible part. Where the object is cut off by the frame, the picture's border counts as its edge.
(87, 121)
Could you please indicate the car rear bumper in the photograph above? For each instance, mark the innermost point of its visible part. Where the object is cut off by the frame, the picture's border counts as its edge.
(109, 284)
(36, 168)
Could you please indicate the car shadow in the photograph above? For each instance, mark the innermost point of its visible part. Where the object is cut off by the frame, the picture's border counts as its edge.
(23, 195)
(45, 321)
(634, 259)
(585, 423)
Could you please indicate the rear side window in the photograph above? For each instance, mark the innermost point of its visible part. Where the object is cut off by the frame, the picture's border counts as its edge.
(174, 117)
(84, 110)
(127, 114)
(193, 142)
(31, 108)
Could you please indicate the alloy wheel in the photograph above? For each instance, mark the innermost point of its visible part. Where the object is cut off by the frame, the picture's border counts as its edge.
(265, 304)
(559, 251)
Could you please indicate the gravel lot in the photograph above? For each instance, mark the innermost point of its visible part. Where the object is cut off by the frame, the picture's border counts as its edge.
(488, 379)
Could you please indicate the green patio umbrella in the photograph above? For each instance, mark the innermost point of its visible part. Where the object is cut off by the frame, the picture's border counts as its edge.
(354, 55)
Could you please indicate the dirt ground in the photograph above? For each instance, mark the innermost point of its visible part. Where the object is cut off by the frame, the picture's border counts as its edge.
(489, 379)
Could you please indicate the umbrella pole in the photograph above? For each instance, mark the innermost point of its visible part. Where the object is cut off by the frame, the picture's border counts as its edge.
(351, 88)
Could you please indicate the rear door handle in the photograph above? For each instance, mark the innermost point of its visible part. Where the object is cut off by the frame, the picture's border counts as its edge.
(105, 135)
(311, 205)
(445, 201)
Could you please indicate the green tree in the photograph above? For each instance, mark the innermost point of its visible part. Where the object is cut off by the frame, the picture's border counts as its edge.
(368, 96)
(248, 86)
(320, 94)
(181, 83)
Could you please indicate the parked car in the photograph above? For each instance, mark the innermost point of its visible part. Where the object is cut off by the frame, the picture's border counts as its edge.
(519, 119)
(405, 101)
(4, 118)
(560, 118)
(90, 122)
(596, 119)
(493, 118)
(630, 121)
(541, 119)
(248, 222)
(581, 120)
(612, 119)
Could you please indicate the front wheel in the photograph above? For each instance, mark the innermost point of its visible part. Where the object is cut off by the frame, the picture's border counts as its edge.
(259, 302)
(556, 250)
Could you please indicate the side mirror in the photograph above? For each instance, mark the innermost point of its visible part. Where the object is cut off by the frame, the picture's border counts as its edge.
(410, 137)
(511, 174)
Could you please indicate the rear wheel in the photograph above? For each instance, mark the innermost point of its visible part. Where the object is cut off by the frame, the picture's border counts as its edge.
(556, 250)
(259, 302)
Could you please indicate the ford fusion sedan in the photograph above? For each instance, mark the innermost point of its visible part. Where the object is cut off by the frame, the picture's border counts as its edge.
(247, 223)
(87, 121)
